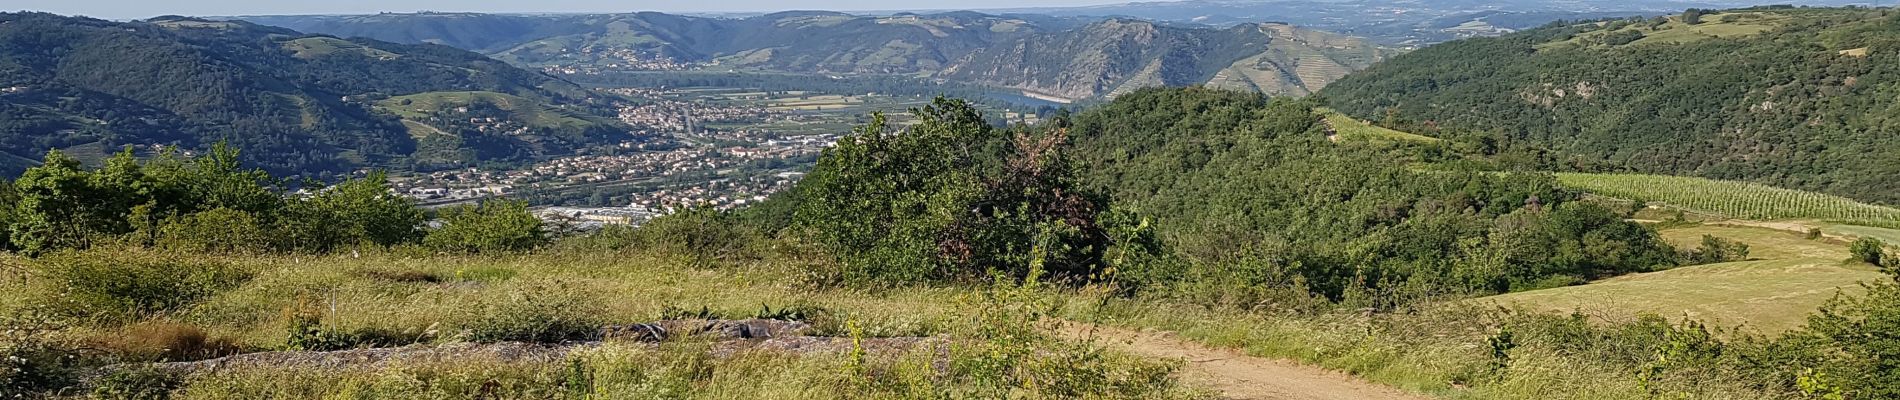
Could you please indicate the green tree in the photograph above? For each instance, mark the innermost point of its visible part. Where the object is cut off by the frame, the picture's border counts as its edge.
(63, 206)
(949, 197)
(218, 230)
(354, 212)
(1868, 250)
(499, 225)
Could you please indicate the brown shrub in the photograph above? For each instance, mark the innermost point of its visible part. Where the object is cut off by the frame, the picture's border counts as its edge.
(168, 341)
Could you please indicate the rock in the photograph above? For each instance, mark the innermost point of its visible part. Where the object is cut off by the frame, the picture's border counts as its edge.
(715, 328)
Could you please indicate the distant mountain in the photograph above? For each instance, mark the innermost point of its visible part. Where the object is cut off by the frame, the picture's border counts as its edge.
(1118, 56)
(1412, 23)
(1061, 58)
(1798, 98)
(295, 103)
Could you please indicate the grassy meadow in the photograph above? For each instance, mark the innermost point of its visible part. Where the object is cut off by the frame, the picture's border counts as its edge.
(1785, 278)
(391, 299)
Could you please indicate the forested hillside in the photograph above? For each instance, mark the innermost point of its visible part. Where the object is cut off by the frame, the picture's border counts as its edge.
(1797, 98)
(1063, 58)
(297, 103)
(1121, 55)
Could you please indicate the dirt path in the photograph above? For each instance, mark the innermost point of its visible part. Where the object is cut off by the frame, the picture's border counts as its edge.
(1235, 375)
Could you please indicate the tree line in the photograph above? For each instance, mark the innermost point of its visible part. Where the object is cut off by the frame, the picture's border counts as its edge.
(210, 203)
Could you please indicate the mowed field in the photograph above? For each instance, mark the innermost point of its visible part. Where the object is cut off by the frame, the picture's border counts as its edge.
(1786, 278)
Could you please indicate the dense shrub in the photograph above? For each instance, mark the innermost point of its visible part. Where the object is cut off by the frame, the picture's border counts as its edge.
(142, 382)
(62, 206)
(110, 284)
(220, 230)
(704, 235)
(1868, 250)
(1716, 250)
(355, 212)
(949, 198)
(206, 203)
(1852, 345)
(545, 312)
(491, 226)
(308, 332)
(166, 341)
(33, 358)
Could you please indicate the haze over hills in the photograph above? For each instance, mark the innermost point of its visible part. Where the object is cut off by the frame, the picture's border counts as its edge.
(1797, 98)
(1060, 58)
(1411, 23)
(293, 102)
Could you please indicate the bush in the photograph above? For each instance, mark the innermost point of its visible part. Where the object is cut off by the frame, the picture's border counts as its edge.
(136, 383)
(949, 197)
(1716, 250)
(221, 230)
(354, 212)
(167, 341)
(307, 332)
(544, 313)
(1868, 250)
(123, 284)
(1856, 342)
(492, 226)
(703, 234)
(32, 358)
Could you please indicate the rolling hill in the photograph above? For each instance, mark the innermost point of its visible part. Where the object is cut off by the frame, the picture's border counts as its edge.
(1117, 56)
(1795, 98)
(1064, 59)
(1403, 23)
(296, 103)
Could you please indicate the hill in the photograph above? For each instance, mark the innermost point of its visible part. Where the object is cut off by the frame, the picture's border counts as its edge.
(295, 103)
(1060, 58)
(1117, 56)
(1795, 98)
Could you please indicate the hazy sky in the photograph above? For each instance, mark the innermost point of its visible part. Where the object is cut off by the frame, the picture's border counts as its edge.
(130, 9)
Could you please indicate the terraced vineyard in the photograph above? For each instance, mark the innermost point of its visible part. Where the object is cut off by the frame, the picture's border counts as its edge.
(1733, 199)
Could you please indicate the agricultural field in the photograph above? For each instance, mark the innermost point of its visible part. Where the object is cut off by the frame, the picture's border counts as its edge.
(1675, 31)
(1732, 199)
(816, 114)
(1345, 128)
(1786, 277)
(533, 113)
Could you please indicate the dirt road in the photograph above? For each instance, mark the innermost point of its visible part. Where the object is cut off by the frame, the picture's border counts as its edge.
(1235, 375)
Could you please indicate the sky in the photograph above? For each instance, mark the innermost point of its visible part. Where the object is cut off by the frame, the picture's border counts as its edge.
(134, 9)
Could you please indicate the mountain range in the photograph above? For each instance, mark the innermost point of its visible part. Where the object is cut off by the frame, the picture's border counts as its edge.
(1065, 59)
(294, 102)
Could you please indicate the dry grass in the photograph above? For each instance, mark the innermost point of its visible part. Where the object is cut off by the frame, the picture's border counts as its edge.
(395, 299)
